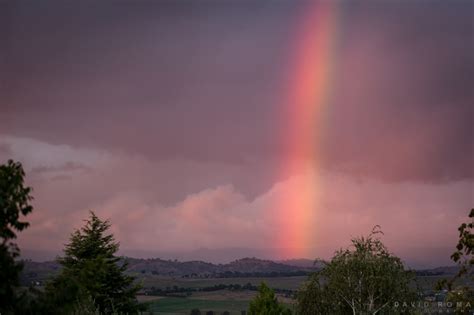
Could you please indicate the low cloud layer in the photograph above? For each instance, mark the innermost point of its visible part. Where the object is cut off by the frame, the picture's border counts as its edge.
(419, 219)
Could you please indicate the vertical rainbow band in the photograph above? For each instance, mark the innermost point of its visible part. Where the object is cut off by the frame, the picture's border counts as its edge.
(308, 96)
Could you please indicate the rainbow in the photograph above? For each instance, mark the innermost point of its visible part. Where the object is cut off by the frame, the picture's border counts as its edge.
(310, 74)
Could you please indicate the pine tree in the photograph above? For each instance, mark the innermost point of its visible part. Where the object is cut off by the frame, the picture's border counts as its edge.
(92, 271)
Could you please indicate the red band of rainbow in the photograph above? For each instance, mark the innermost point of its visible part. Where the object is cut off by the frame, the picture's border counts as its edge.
(310, 76)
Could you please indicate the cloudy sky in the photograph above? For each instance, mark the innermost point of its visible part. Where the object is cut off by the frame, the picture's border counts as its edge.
(168, 118)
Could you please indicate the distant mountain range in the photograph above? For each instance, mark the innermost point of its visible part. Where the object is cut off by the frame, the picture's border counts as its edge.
(246, 267)
(239, 268)
(414, 257)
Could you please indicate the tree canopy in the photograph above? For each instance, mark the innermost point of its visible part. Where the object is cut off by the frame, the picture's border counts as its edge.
(92, 271)
(266, 303)
(363, 279)
(460, 289)
(14, 203)
(464, 254)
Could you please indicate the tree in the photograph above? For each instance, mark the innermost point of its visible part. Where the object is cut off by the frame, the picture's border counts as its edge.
(460, 294)
(364, 279)
(464, 254)
(266, 303)
(313, 298)
(92, 271)
(14, 202)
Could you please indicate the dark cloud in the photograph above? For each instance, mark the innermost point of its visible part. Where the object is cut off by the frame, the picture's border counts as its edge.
(206, 81)
(403, 106)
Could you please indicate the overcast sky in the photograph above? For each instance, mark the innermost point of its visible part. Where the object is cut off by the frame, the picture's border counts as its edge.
(166, 116)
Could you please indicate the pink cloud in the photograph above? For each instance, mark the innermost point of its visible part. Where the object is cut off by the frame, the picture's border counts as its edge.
(417, 217)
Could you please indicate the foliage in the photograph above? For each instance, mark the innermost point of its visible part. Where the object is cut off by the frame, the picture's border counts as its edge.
(85, 306)
(314, 298)
(465, 249)
(462, 299)
(365, 279)
(91, 270)
(462, 295)
(195, 311)
(14, 201)
(266, 303)
(184, 305)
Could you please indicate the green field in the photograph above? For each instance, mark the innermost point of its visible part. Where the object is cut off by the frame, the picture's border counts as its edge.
(227, 300)
(291, 283)
(218, 301)
(173, 305)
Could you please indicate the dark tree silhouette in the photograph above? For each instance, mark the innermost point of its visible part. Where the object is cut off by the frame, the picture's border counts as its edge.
(365, 279)
(92, 271)
(460, 289)
(465, 248)
(14, 202)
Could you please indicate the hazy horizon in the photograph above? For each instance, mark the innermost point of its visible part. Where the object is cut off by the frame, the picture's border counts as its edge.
(227, 255)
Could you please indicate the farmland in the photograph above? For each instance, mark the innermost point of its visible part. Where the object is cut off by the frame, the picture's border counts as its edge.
(290, 283)
(218, 301)
(233, 301)
(172, 287)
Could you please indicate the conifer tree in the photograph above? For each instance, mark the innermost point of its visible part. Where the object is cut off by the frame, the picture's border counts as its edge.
(92, 271)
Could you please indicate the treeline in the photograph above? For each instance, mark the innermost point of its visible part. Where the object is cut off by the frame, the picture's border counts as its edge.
(428, 273)
(273, 274)
(187, 291)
